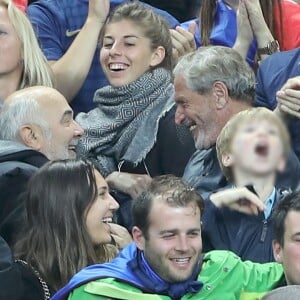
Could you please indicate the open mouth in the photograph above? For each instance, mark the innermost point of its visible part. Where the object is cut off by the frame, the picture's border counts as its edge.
(117, 67)
(181, 261)
(72, 148)
(262, 150)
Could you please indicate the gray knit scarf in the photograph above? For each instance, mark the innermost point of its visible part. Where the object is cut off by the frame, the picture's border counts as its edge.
(124, 125)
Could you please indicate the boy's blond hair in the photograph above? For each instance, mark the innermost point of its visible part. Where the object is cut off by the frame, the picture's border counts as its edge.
(227, 134)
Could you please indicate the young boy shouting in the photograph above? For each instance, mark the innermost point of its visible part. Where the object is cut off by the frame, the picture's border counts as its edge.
(252, 147)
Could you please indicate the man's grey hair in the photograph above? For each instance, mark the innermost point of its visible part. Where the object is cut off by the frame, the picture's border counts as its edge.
(202, 68)
(20, 112)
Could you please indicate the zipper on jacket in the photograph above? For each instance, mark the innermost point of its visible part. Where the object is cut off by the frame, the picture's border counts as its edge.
(264, 231)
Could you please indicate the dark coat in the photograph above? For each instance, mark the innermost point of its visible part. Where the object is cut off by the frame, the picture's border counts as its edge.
(17, 164)
(17, 282)
(248, 236)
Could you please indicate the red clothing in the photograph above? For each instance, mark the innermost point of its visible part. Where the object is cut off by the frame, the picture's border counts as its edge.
(290, 37)
(22, 4)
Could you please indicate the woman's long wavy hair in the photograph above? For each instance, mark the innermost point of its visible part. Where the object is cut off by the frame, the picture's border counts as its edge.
(270, 9)
(36, 70)
(55, 240)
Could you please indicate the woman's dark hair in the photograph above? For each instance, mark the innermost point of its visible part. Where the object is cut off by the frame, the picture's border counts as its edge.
(270, 9)
(55, 240)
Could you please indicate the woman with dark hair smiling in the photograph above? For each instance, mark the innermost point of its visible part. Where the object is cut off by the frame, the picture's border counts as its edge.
(69, 223)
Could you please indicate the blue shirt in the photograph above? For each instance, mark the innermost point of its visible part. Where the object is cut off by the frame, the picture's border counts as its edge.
(53, 20)
(269, 203)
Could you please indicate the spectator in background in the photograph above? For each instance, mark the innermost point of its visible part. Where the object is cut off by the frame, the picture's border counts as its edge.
(218, 26)
(68, 33)
(131, 135)
(252, 148)
(68, 223)
(212, 85)
(166, 260)
(278, 80)
(286, 230)
(36, 124)
(22, 63)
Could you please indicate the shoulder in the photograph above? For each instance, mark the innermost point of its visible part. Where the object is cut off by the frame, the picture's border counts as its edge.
(280, 60)
(112, 289)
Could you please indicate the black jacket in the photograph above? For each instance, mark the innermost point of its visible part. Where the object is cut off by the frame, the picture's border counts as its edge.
(248, 236)
(171, 152)
(17, 282)
(17, 164)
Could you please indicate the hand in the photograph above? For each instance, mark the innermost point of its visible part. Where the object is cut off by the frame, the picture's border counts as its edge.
(131, 184)
(183, 41)
(239, 199)
(120, 235)
(99, 9)
(288, 98)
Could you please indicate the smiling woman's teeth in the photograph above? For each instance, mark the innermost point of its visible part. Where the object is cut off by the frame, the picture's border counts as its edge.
(107, 220)
(117, 67)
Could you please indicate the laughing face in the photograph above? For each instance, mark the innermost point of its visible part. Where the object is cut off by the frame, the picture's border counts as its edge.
(174, 244)
(198, 112)
(257, 148)
(126, 53)
(100, 213)
(64, 132)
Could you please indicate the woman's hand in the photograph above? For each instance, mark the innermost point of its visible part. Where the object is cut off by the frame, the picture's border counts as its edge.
(120, 235)
(183, 41)
(131, 184)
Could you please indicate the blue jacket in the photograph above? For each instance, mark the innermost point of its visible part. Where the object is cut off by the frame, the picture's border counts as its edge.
(53, 20)
(129, 267)
(223, 276)
(272, 74)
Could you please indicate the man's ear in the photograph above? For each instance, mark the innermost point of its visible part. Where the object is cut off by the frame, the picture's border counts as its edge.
(220, 91)
(31, 136)
(158, 56)
(277, 251)
(227, 159)
(138, 238)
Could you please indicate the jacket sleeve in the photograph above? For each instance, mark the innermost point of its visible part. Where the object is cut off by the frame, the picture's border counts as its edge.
(261, 277)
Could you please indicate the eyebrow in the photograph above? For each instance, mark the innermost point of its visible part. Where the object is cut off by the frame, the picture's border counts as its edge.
(102, 189)
(67, 113)
(296, 235)
(125, 37)
(174, 231)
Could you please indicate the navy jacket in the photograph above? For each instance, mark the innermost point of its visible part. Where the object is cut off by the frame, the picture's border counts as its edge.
(272, 74)
(248, 236)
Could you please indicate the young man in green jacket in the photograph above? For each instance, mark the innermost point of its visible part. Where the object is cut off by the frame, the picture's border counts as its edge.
(166, 261)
